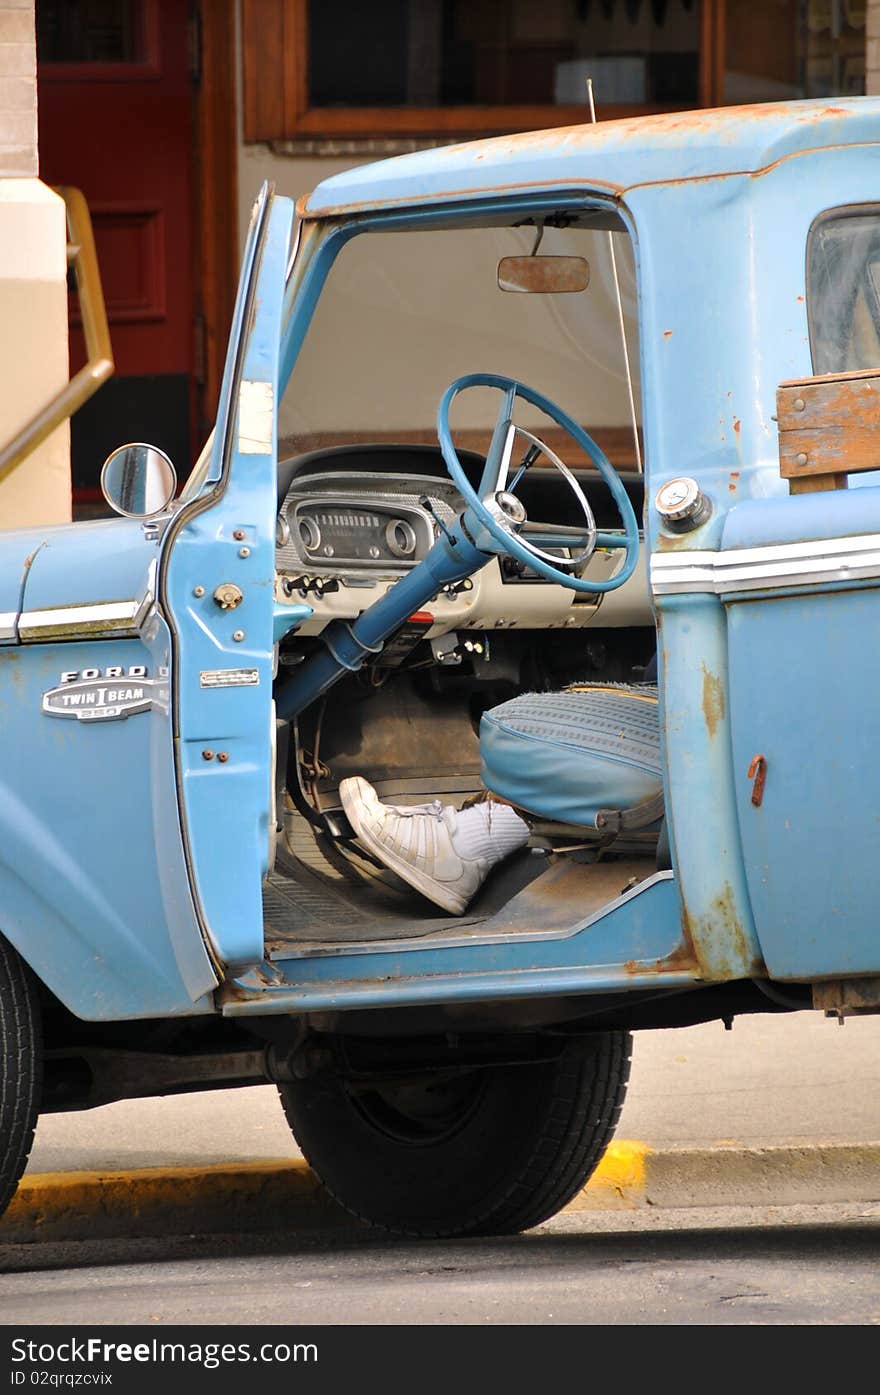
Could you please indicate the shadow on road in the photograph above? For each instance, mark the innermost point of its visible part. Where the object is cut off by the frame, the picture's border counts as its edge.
(849, 1234)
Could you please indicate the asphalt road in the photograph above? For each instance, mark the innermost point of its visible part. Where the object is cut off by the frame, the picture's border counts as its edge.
(765, 1266)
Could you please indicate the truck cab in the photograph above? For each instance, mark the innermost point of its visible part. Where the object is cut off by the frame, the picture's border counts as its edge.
(438, 567)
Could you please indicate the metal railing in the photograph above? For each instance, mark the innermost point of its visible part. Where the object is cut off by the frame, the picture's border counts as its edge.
(99, 367)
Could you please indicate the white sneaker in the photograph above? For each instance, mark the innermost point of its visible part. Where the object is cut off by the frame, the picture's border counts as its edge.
(417, 843)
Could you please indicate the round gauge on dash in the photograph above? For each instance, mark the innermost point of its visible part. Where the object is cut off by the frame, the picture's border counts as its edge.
(400, 537)
(310, 533)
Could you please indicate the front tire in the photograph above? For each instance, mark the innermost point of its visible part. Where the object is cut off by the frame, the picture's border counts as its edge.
(492, 1152)
(20, 1069)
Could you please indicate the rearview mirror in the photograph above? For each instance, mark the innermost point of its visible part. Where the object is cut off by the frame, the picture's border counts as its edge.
(138, 480)
(543, 275)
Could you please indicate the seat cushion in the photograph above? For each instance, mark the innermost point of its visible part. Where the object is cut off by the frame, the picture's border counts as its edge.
(564, 756)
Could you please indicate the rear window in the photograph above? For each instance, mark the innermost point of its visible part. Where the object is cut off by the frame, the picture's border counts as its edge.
(843, 289)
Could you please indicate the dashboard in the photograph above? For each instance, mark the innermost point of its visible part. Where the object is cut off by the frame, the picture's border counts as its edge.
(353, 519)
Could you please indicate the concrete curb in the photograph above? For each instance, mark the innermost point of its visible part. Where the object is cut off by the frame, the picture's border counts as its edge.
(285, 1195)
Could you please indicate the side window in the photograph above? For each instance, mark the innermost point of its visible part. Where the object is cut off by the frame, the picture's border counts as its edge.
(843, 289)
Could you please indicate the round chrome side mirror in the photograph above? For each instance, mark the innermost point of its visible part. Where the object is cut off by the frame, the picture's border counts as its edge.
(138, 480)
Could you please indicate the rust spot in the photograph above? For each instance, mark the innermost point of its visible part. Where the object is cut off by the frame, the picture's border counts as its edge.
(672, 542)
(722, 948)
(687, 937)
(737, 425)
(667, 334)
(681, 959)
(801, 299)
(724, 932)
(647, 133)
(713, 701)
(13, 670)
(28, 563)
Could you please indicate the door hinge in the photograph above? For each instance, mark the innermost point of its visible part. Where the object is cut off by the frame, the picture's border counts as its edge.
(194, 44)
(199, 349)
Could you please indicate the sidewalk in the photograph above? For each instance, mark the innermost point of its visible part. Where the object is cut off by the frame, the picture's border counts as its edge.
(781, 1109)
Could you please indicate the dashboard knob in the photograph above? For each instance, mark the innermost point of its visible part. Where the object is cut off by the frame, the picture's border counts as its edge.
(682, 504)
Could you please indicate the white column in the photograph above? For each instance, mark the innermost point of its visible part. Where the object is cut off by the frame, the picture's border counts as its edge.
(872, 49)
(33, 285)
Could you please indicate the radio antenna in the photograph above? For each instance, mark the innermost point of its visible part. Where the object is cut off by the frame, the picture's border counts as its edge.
(629, 381)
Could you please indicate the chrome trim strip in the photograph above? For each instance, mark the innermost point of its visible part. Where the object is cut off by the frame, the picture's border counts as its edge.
(322, 950)
(147, 602)
(95, 620)
(689, 571)
(8, 634)
(766, 568)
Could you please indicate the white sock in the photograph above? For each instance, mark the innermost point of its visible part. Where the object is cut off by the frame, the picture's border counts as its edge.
(489, 830)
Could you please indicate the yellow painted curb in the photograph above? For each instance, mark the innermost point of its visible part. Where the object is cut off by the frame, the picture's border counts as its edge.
(174, 1200)
(168, 1185)
(275, 1194)
(47, 1199)
(620, 1180)
(283, 1194)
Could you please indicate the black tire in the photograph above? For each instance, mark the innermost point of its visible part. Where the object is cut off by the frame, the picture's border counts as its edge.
(20, 1069)
(490, 1153)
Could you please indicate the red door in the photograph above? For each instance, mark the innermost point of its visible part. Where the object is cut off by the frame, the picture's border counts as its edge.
(116, 120)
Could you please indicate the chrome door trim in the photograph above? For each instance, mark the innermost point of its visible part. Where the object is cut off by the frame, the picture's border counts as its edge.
(776, 567)
(94, 620)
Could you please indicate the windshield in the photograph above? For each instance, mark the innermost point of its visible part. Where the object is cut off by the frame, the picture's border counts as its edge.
(404, 313)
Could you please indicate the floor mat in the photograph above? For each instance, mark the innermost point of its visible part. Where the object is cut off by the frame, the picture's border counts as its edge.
(318, 894)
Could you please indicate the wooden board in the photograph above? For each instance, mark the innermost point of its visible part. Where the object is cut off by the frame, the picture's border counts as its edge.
(829, 427)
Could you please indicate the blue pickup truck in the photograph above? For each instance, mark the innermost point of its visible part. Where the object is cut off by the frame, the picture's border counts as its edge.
(453, 586)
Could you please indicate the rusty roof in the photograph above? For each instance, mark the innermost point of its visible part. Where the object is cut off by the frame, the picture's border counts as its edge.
(611, 157)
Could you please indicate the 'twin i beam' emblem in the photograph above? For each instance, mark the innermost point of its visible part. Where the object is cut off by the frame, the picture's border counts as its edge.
(106, 695)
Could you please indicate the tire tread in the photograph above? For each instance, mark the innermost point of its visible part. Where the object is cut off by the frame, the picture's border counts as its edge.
(20, 1069)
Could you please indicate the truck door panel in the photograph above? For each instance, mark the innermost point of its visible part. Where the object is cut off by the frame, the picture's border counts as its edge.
(91, 868)
(803, 674)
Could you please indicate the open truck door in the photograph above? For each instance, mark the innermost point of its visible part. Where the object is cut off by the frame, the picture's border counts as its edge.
(217, 588)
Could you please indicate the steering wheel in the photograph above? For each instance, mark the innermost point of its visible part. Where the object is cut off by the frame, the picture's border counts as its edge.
(496, 518)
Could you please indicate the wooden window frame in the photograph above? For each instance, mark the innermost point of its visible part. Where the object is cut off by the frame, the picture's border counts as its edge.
(217, 251)
(145, 67)
(280, 110)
